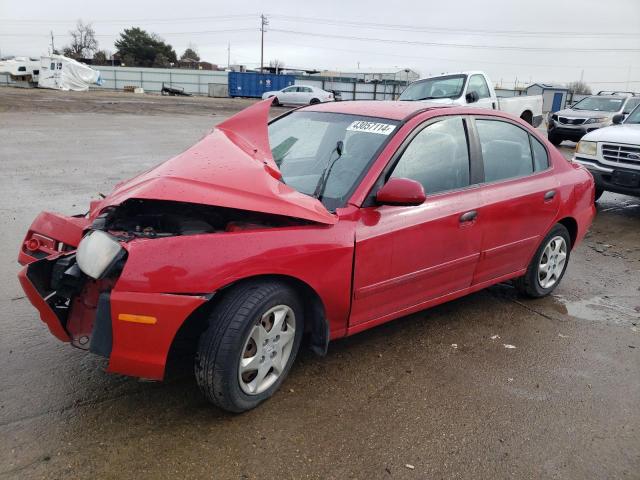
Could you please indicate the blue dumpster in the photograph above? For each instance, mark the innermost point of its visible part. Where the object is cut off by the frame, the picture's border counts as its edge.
(249, 84)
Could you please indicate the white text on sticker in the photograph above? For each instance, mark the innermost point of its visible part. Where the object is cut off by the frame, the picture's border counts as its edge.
(371, 127)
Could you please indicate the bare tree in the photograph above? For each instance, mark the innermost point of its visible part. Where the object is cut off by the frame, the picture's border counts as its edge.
(579, 87)
(277, 64)
(83, 41)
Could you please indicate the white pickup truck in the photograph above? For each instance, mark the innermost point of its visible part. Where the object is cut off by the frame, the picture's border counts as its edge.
(473, 89)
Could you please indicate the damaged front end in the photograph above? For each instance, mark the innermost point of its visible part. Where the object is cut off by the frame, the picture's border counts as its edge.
(227, 182)
(74, 285)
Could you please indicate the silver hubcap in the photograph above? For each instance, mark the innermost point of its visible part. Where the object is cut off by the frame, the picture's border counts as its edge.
(267, 350)
(552, 261)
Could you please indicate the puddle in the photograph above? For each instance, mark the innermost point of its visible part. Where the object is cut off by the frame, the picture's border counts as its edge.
(598, 309)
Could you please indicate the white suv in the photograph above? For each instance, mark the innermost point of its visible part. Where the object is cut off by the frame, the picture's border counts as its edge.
(612, 155)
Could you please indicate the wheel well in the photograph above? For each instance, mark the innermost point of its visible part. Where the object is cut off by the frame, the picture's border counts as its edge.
(527, 116)
(572, 226)
(185, 342)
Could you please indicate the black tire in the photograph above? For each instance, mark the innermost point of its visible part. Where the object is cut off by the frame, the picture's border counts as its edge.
(314, 101)
(527, 116)
(598, 194)
(554, 139)
(221, 346)
(529, 283)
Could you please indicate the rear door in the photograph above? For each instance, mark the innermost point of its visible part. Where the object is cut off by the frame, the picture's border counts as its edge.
(519, 197)
(406, 256)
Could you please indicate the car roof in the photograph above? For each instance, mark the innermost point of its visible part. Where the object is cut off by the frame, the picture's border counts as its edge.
(392, 110)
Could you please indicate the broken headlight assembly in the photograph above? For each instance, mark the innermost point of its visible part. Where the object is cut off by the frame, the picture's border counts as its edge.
(98, 253)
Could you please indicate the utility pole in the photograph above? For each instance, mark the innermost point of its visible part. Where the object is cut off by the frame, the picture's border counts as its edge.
(53, 48)
(263, 23)
(229, 56)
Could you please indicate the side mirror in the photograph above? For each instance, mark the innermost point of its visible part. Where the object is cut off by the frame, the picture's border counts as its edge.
(472, 97)
(618, 118)
(401, 191)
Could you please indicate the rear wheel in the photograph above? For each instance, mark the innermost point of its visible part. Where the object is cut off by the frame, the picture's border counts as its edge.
(548, 264)
(314, 101)
(253, 337)
(527, 116)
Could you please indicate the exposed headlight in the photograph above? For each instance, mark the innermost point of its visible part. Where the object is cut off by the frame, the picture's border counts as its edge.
(597, 120)
(97, 253)
(588, 148)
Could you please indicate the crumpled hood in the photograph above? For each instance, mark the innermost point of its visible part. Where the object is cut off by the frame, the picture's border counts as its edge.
(230, 167)
(625, 133)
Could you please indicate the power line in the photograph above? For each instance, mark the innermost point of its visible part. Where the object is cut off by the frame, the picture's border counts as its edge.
(449, 59)
(419, 28)
(141, 20)
(455, 45)
(204, 32)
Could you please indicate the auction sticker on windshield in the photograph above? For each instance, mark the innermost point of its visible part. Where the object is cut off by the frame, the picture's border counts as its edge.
(371, 127)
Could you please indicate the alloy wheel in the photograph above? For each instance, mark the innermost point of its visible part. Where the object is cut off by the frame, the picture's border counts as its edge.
(267, 350)
(552, 262)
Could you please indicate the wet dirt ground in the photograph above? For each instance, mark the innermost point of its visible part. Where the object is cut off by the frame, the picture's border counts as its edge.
(434, 395)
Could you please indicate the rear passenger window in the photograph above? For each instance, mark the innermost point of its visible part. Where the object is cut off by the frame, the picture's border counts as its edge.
(505, 150)
(540, 157)
(437, 157)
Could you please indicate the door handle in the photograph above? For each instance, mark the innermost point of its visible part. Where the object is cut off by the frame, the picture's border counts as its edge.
(549, 195)
(468, 216)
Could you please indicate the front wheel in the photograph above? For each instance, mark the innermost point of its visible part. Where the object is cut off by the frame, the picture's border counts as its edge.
(555, 140)
(548, 264)
(598, 193)
(253, 337)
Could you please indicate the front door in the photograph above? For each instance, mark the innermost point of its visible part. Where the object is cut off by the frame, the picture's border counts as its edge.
(519, 199)
(478, 84)
(406, 256)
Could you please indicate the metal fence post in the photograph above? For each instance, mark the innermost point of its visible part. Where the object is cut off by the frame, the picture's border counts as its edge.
(354, 90)
(375, 90)
(115, 79)
(141, 80)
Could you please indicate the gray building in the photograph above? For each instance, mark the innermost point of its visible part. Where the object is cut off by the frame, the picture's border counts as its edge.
(554, 97)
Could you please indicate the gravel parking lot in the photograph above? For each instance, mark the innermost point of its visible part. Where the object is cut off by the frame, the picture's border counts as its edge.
(432, 395)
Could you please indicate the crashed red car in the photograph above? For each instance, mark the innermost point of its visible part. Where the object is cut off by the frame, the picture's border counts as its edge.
(329, 220)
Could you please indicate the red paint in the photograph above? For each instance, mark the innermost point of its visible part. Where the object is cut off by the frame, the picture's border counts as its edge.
(46, 313)
(367, 264)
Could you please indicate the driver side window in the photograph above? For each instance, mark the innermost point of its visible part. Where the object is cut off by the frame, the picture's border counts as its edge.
(437, 157)
(478, 84)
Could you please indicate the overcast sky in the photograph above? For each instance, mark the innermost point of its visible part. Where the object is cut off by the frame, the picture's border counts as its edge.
(536, 40)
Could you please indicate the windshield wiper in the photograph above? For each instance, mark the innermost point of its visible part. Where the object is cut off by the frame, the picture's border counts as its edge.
(322, 181)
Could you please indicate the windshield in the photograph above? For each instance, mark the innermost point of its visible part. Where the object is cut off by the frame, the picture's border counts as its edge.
(304, 143)
(439, 87)
(634, 116)
(599, 104)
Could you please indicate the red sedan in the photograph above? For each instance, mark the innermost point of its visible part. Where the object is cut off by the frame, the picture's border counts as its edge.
(324, 222)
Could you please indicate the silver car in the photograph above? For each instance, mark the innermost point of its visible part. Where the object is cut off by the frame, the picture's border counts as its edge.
(589, 114)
